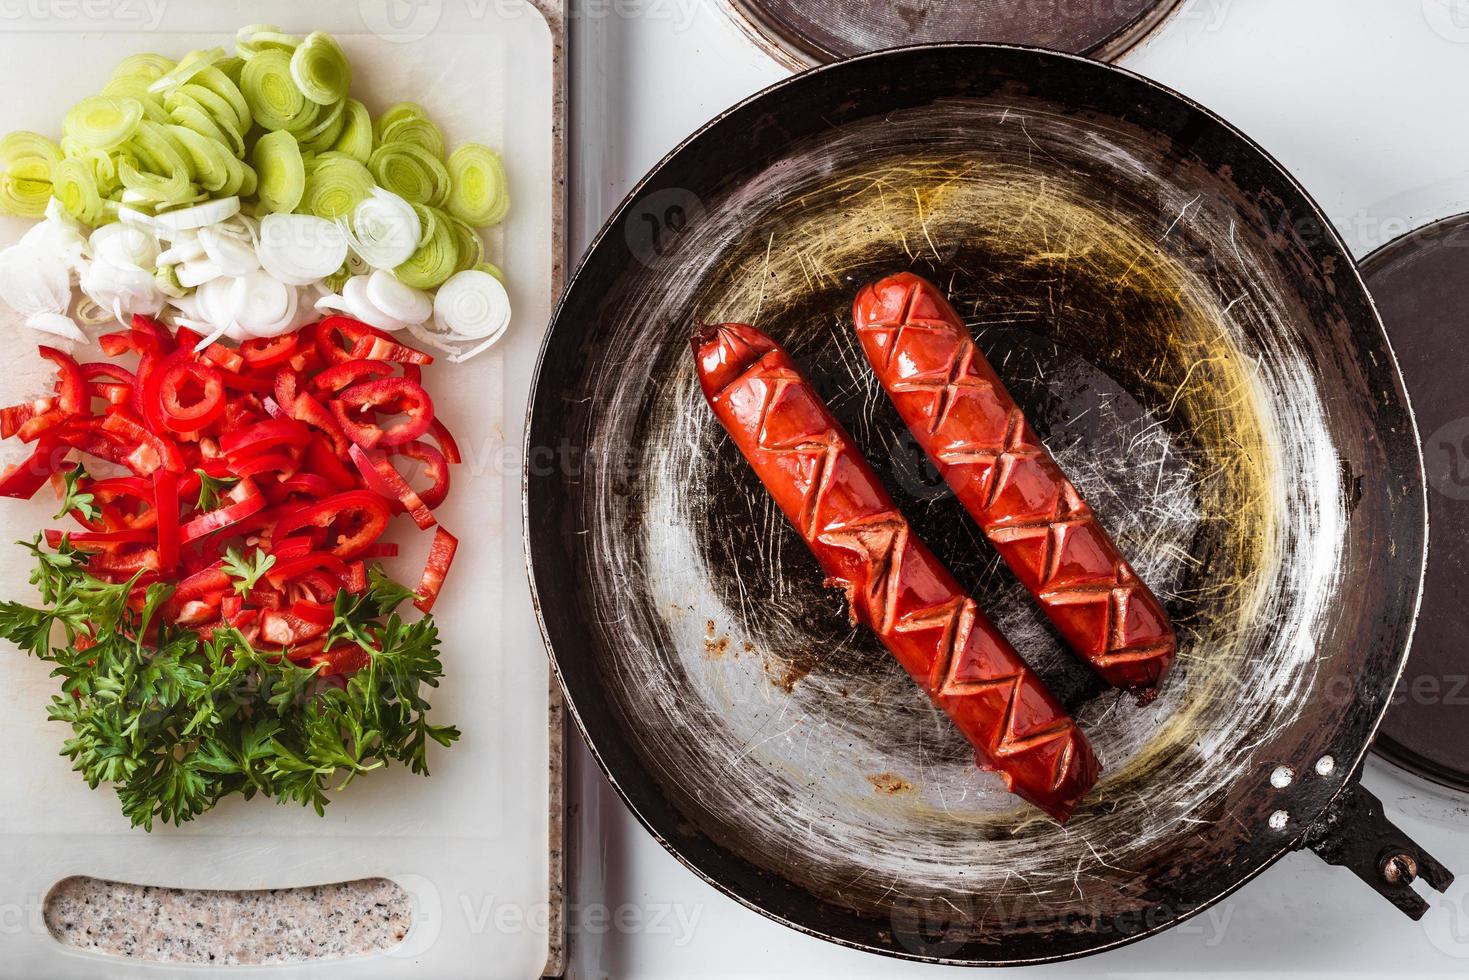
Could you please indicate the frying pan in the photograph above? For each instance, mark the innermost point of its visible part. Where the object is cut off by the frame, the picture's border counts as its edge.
(1191, 338)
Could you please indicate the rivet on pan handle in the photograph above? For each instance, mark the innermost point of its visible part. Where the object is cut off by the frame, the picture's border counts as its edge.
(1355, 834)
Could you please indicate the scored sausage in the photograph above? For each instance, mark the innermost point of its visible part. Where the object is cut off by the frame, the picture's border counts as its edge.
(967, 423)
(894, 584)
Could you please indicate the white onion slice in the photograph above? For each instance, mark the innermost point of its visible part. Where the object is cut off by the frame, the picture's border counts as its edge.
(196, 272)
(473, 305)
(402, 303)
(133, 216)
(122, 287)
(230, 250)
(184, 248)
(197, 216)
(219, 300)
(384, 230)
(56, 323)
(123, 244)
(268, 305)
(335, 302)
(361, 307)
(299, 248)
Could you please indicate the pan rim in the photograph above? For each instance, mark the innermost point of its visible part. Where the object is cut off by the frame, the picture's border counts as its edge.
(616, 219)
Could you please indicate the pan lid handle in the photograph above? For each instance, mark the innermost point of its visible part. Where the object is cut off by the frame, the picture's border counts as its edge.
(1355, 834)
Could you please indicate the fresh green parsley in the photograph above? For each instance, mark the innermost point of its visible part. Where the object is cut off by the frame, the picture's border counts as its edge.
(246, 571)
(212, 488)
(83, 503)
(176, 723)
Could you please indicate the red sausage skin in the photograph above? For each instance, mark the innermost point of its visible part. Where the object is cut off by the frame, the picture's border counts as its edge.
(895, 585)
(959, 411)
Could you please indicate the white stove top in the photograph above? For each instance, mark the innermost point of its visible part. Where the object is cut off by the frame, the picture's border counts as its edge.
(1362, 100)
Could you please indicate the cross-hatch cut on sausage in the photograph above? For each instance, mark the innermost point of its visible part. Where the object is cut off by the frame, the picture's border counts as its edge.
(967, 423)
(894, 584)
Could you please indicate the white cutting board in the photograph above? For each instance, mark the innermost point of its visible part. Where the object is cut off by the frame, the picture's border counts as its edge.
(471, 840)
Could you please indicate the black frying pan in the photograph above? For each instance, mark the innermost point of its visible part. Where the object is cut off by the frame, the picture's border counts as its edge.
(1193, 341)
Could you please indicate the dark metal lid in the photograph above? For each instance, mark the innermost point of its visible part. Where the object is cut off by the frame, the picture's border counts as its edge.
(801, 33)
(1421, 285)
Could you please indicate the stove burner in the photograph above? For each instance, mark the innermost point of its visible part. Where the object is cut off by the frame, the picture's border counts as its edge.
(801, 33)
(1418, 282)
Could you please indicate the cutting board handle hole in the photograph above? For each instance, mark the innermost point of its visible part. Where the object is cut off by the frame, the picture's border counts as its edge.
(204, 926)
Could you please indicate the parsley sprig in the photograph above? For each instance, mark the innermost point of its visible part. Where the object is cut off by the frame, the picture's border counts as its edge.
(176, 723)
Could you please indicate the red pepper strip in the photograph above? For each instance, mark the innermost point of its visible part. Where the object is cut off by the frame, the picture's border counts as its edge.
(190, 393)
(285, 388)
(45, 422)
(246, 382)
(267, 352)
(255, 439)
(273, 409)
(388, 395)
(323, 462)
(413, 372)
(166, 505)
(116, 394)
(343, 659)
(86, 435)
(125, 565)
(288, 568)
(293, 547)
(447, 445)
(165, 451)
(147, 362)
(206, 581)
(93, 370)
(348, 373)
(151, 332)
(388, 349)
(310, 411)
(107, 493)
(383, 549)
(368, 513)
(364, 434)
(320, 613)
(285, 628)
(435, 467)
(242, 412)
(71, 384)
(98, 540)
(307, 484)
(26, 477)
(15, 416)
(388, 482)
(440, 557)
(117, 344)
(223, 358)
(187, 339)
(315, 586)
(283, 463)
(358, 337)
(355, 581)
(244, 499)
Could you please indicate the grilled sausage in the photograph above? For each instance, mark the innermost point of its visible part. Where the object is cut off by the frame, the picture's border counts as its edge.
(894, 584)
(970, 427)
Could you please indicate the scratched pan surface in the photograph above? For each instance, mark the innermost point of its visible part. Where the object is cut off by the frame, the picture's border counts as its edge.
(1195, 346)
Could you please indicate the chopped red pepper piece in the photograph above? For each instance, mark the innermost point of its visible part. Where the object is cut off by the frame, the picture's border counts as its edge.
(386, 395)
(71, 384)
(268, 352)
(358, 518)
(190, 393)
(440, 557)
(244, 499)
(26, 477)
(389, 483)
(166, 507)
(435, 467)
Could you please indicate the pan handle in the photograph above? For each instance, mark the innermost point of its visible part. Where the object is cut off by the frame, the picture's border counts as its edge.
(1355, 834)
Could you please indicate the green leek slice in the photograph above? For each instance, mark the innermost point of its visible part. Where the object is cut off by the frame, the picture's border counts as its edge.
(355, 139)
(275, 101)
(146, 67)
(471, 247)
(492, 269)
(101, 122)
(335, 184)
(75, 187)
(258, 38)
(320, 136)
(411, 172)
(478, 192)
(411, 127)
(189, 65)
(277, 160)
(320, 69)
(433, 262)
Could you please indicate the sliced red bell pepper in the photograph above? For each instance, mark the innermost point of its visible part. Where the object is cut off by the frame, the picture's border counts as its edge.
(347, 658)
(98, 540)
(440, 557)
(285, 628)
(223, 358)
(110, 495)
(348, 373)
(357, 518)
(268, 352)
(447, 445)
(355, 581)
(45, 422)
(163, 451)
(389, 483)
(310, 411)
(254, 439)
(435, 468)
(166, 507)
(286, 569)
(15, 416)
(190, 393)
(71, 384)
(387, 395)
(26, 477)
(244, 499)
